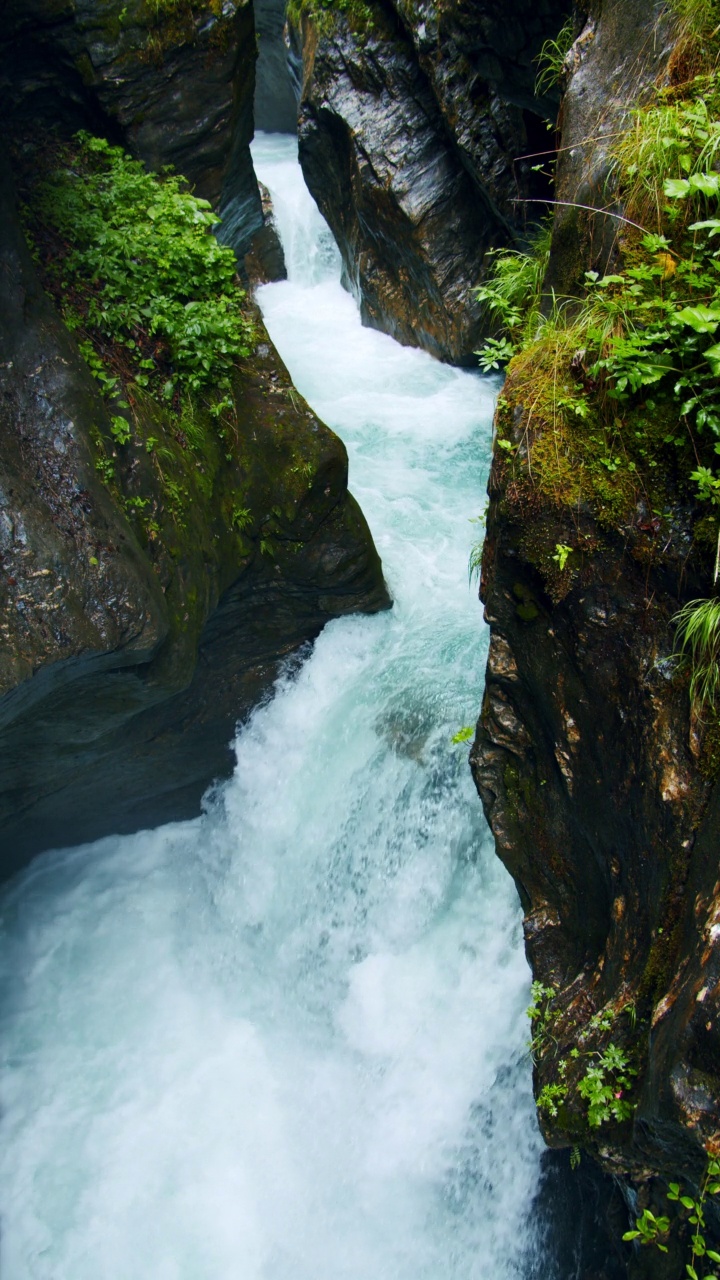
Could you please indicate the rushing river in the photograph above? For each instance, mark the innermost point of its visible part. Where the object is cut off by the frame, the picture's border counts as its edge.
(286, 1041)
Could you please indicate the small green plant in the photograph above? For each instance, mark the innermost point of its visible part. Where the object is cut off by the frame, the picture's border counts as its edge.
(562, 555)
(649, 1229)
(463, 735)
(604, 1085)
(120, 429)
(360, 15)
(511, 297)
(495, 354)
(241, 518)
(551, 59)
(608, 1073)
(541, 1015)
(551, 1097)
(697, 640)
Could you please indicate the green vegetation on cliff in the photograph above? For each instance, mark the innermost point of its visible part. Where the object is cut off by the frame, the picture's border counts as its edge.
(137, 267)
(154, 303)
(618, 387)
(362, 17)
(208, 452)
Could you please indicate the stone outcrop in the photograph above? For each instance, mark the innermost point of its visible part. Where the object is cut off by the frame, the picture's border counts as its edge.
(175, 85)
(139, 624)
(618, 57)
(413, 127)
(600, 786)
(149, 589)
(275, 91)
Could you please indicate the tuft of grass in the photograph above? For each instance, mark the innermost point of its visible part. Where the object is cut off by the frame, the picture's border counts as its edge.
(697, 641)
(551, 59)
(512, 293)
(668, 141)
(698, 22)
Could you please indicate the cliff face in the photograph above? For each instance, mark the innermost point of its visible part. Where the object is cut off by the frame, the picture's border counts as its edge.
(149, 586)
(412, 119)
(275, 96)
(599, 784)
(174, 83)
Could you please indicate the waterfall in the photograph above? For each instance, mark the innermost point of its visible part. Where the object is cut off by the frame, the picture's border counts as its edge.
(286, 1041)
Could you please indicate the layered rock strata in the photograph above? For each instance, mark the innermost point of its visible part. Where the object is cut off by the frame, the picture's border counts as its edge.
(415, 124)
(150, 588)
(598, 782)
(175, 84)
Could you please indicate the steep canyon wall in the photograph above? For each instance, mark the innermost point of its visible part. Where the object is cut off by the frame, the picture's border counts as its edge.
(142, 616)
(414, 124)
(599, 783)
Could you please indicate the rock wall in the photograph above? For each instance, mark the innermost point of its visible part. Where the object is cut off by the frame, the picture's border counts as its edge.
(146, 604)
(175, 85)
(413, 123)
(275, 94)
(600, 787)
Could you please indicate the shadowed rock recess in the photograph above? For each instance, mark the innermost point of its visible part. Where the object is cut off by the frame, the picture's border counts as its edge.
(599, 786)
(413, 119)
(131, 648)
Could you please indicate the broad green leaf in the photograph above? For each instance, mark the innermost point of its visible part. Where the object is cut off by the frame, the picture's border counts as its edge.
(701, 319)
(707, 183)
(676, 188)
(713, 356)
(464, 734)
(710, 224)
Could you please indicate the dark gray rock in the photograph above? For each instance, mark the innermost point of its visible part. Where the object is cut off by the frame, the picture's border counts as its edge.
(412, 138)
(128, 656)
(411, 227)
(618, 57)
(174, 87)
(275, 90)
(599, 784)
(265, 259)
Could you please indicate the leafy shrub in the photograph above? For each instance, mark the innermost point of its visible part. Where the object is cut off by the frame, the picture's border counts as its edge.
(652, 1230)
(138, 265)
(607, 1074)
(641, 346)
(511, 297)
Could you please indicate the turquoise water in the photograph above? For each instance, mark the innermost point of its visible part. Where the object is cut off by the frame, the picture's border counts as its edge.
(286, 1041)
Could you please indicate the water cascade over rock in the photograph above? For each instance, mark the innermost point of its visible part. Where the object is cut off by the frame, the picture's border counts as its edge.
(287, 1041)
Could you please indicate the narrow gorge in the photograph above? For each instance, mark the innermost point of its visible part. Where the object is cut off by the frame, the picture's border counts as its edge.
(267, 952)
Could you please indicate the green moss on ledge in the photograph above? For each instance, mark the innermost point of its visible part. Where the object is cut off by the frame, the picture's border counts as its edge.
(206, 447)
(364, 17)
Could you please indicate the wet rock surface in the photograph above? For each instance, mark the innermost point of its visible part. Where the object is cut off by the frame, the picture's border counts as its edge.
(621, 52)
(129, 650)
(412, 134)
(275, 91)
(406, 217)
(600, 786)
(175, 87)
